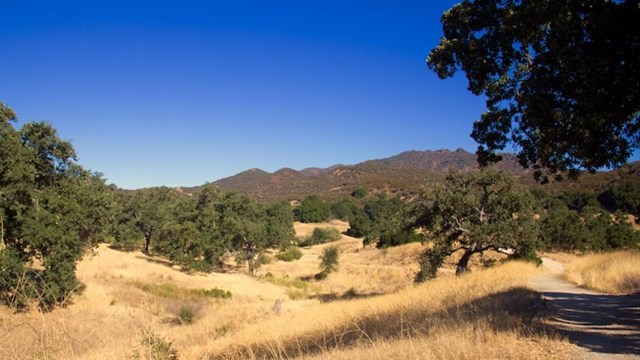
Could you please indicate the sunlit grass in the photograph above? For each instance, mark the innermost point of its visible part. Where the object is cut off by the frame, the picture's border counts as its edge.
(614, 273)
(481, 315)
(169, 290)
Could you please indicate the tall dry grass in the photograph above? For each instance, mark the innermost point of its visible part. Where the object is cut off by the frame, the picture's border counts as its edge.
(481, 315)
(122, 314)
(614, 273)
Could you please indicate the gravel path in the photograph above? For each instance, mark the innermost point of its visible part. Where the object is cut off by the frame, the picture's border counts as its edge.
(602, 326)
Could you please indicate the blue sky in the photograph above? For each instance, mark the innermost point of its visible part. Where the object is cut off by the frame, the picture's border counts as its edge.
(180, 93)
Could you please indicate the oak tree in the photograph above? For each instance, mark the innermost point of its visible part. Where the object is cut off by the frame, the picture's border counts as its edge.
(473, 213)
(561, 79)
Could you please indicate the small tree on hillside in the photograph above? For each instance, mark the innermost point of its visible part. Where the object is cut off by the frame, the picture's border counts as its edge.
(329, 262)
(474, 213)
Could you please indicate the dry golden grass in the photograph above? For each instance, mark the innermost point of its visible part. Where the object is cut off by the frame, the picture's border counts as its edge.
(120, 311)
(475, 316)
(614, 273)
(306, 229)
(110, 319)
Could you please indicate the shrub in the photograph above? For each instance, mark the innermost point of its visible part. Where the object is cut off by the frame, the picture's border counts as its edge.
(359, 193)
(401, 237)
(290, 254)
(185, 315)
(329, 262)
(321, 236)
(263, 259)
(155, 347)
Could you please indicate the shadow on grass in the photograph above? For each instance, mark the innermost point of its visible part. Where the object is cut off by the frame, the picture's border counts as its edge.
(350, 294)
(508, 311)
(601, 323)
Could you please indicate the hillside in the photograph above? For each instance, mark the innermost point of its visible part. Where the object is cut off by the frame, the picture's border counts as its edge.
(403, 174)
(132, 303)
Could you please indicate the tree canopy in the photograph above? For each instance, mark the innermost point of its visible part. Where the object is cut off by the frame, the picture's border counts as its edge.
(51, 211)
(473, 213)
(561, 78)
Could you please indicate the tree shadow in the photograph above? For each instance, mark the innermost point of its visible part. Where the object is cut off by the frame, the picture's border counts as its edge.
(350, 294)
(601, 323)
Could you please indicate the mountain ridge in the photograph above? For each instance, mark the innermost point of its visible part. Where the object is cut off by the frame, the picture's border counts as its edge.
(403, 174)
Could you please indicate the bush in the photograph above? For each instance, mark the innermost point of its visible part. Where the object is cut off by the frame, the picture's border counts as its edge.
(359, 193)
(155, 346)
(290, 254)
(401, 237)
(263, 259)
(329, 262)
(186, 315)
(321, 236)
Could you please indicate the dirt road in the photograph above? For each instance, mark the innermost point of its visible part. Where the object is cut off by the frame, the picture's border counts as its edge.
(602, 326)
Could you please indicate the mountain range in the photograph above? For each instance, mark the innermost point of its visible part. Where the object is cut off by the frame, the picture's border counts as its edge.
(404, 174)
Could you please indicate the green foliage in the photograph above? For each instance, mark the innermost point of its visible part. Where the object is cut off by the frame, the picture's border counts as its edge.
(16, 284)
(359, 193)
(312, 210)
(279, 225)
(186, 315)
(560, 78)
(360, 225)
(290, 254)
(263, 259)
(564, 229)
(381, 217)
(344, 209)
(322, 235)
(624, 197)
(476, 212)
(404, 236)
(51, 210)
(214, 293)
(196, 231)
(329, 262)
(430, 261)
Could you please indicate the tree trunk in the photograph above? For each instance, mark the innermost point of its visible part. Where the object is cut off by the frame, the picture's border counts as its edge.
(464, 262)
(1, 232)
(147, 241)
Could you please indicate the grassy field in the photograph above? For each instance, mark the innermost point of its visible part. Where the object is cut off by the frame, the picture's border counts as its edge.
(135, 306)
(613, 273)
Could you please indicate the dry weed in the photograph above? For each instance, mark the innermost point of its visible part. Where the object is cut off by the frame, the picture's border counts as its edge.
(614, 273)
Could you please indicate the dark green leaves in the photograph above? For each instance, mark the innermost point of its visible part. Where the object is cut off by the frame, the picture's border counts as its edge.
(562, 79)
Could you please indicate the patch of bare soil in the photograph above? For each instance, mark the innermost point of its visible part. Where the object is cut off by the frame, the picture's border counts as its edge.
(602, 326)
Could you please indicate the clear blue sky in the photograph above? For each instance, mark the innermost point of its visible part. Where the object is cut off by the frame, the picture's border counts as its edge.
(178, 93)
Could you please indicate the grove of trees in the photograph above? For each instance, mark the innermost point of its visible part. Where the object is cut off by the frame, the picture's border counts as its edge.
(196, 231)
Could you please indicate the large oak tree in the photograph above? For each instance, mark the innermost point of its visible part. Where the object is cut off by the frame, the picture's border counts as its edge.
(561, 78)
(473, 213)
